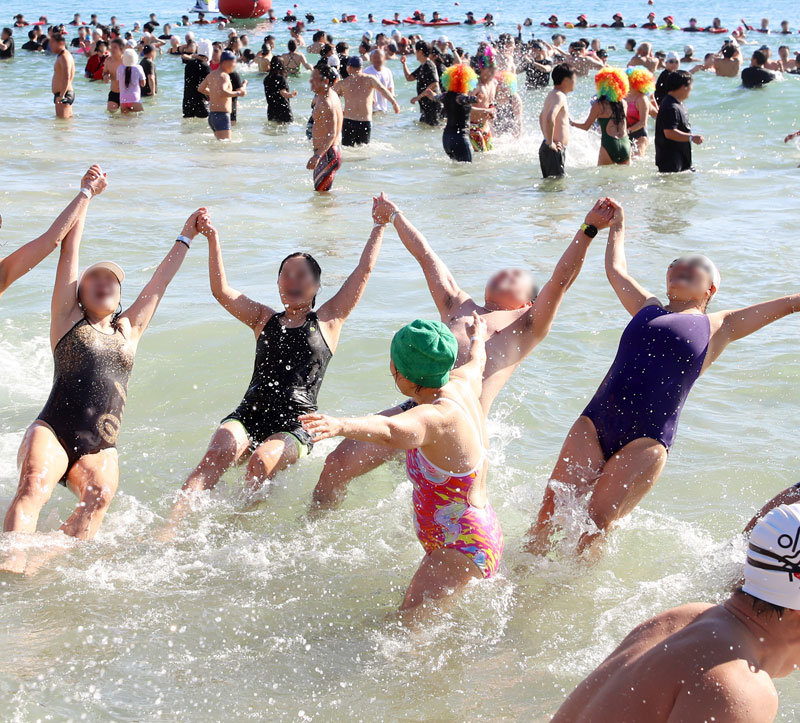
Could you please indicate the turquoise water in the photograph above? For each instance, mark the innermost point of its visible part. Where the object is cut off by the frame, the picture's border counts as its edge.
(269, 614)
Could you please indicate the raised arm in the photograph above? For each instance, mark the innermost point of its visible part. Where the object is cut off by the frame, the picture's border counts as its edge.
(404, 63)
(139, 314)
(472, 370)
(443, 287)
(629, 291)
(535, 325)
(335, 311)
(20, 262)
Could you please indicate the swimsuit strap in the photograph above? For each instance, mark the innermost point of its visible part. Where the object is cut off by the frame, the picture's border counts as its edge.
(475, 428)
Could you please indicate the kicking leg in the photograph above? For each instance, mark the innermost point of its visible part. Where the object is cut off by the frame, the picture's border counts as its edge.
(94, 479)
(579, 463)
(274, 454)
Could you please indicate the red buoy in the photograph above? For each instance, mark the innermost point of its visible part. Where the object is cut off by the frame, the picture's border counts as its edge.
(242, 9)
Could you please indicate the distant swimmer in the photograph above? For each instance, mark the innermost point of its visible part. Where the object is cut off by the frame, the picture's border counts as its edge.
(326, 132)
(618, 447)
(63, 75)
(358, 91)
(705, 662)
(442, 432)
(217, 86)
(73, 440)
(554, 123)
(519, 317)
(112, 63)
(293, 349)
(608, 111)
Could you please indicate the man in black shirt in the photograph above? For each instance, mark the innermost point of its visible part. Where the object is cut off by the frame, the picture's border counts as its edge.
(757, 75)
(32, 44)
(149, 68)
(671, 64)
(536, 66)
(195, 104)
(427, 80)
(6, 43)
(674, 136)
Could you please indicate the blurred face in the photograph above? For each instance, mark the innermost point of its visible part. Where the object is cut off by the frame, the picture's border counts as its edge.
(672, 64)
(296, 283)
(100, 292)
(487, 74)
(421, 57)
(228, 66)
(509, 289)
(57, 45)
(689, 278)
(377, 59)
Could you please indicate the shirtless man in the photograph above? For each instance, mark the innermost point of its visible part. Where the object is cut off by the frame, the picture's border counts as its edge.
(482, 112)
(729, 65)
(63, 73)
(115, 49)
(217, 86)
(326, 134)
(358, 91)
(703, 662)
(554, 122)
(517, 314)
(644, 56)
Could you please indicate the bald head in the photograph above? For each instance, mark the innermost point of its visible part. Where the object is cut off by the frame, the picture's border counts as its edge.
(377, 58)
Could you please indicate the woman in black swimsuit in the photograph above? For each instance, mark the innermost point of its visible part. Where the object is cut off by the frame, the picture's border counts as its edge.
(21, 261)
(73, 440)
(293, 348)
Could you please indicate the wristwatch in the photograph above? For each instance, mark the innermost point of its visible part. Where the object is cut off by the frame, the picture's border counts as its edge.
(589, 230)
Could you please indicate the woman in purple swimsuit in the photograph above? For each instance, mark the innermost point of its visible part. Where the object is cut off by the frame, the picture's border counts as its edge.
(618, 447)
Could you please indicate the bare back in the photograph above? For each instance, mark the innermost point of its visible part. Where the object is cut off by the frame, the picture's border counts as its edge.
(358, 92)
(679, 665)
(327, 129)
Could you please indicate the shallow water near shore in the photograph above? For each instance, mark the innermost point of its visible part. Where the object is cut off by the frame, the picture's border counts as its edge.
(272, 614)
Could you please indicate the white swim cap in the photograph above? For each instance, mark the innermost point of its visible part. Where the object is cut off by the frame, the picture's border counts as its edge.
(204, 47)
(443, 39)
(333, 61)
(672, 56)
(129, 57)
(706, 263)
(108, 266)
(773, 558)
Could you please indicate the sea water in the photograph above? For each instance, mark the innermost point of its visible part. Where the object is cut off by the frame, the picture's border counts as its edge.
(271, 613)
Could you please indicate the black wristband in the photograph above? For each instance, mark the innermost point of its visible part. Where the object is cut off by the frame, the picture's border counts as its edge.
(183, 240)
(589, 230)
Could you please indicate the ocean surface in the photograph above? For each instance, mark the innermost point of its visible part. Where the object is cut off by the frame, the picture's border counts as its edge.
(269, 614)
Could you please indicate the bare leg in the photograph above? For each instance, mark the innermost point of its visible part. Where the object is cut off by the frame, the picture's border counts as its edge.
(603, 159)
(274, 454)
(94, 479)
(580, 463)
(227, 447)
(349, 460)
(42, 463)
(441, 574)
(627, 477)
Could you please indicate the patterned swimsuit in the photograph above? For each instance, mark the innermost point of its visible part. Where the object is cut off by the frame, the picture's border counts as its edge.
(443, 515)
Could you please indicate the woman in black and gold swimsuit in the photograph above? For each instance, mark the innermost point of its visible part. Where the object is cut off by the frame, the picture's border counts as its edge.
(73, 440)
(293, 348)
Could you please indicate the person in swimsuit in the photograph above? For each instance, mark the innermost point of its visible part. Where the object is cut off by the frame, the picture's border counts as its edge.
(483, 112)
(444, 437)
(20, 262)
(458, 82)
(113, 62)
(609, 112)
(294, 60)
(519, 317)
(293, 348)
(617, 449)
(73, 439)
(218, 87)
(63, 75)
(640, 106)
(326, 130)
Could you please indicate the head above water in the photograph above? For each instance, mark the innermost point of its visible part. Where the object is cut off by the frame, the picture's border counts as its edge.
(693, 277)
(509, 289)
(100, 288)
(423, 354)
(299, 280)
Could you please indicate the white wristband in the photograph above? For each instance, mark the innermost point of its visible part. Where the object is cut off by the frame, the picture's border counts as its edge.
(476, 338)
(378, 225)
(394, 215)
(184, 240)
(87, 192)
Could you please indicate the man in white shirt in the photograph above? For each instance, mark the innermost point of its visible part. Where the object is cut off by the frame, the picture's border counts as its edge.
(379, 70)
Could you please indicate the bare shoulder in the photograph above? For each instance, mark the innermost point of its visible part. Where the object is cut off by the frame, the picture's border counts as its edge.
(735, 692)
(669, 621)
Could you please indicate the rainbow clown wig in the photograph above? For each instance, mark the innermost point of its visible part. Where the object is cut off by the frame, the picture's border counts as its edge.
(459, 78)
(509, 79)
(612, 84)
(486, 58)
(641, 80)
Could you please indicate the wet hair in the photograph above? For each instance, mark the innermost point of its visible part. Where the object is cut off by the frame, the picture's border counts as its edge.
(561, 72)
(762, 608)
(342, 48)
(313, 266)
(128, 71)
(58, 38)
(276, 67)
(292, 45)
(328, 74)
(678, 79)
(422, 47)
(318, 35)
(8, 31)
(759, 57)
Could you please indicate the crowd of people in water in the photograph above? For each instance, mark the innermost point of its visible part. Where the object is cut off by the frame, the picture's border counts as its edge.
(698, 661)
(475, 95)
